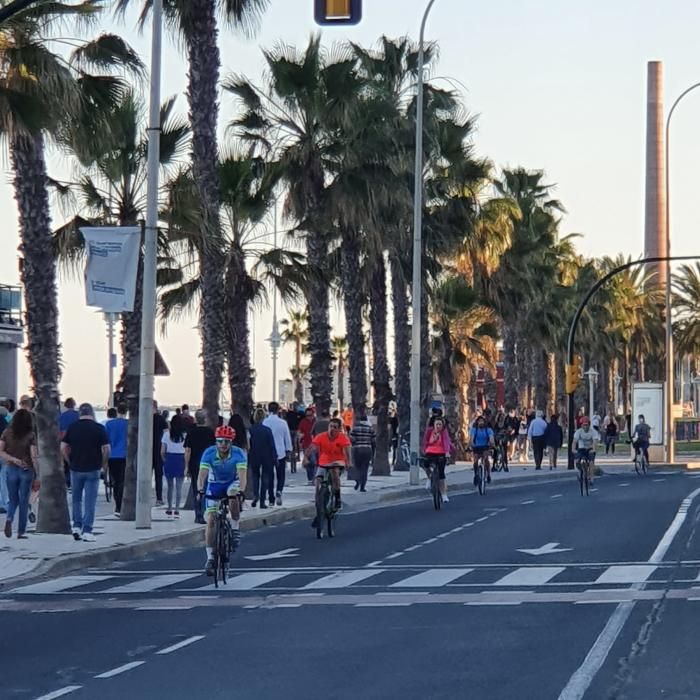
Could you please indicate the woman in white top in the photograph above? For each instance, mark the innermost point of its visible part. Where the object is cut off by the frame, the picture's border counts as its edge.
(172, 450)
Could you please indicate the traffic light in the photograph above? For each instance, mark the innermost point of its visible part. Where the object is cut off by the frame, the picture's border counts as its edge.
(573, 374)
(331, 12)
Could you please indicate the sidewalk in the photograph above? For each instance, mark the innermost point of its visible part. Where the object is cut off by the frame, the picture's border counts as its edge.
(53, 555)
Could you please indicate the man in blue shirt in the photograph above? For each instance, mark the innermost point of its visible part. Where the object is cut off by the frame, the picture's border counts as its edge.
(66, 419)
(117, 429)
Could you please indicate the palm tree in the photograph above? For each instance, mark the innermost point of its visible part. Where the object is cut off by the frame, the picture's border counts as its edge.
(687, 305)
(296, 333)
(42, 92)
(340, 354)
(195, 21)
(296, 118)
(110, 185)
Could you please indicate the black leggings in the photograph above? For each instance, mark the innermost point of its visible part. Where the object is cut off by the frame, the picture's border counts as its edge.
(439, 461)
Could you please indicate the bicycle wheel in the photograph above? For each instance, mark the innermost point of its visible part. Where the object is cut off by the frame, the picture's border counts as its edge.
(579, 468)
(321, 509)
(637, 465)
(644, 465)
(435, 488)
(330, 518)
(482, 478)
(587, 479)
(216, 551)
(224, 549)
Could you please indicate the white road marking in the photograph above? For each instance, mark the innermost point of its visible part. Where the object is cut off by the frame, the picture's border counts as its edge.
(121, 669)
(530, 576)
(180, 645)
(526, 503)
(657, 480)
(60, 693)
(622, 485)
(432, 578)
(593, 490)
(626, 574)
(375, 563)
(481, 520)
(582, 678)
(430, 541)
(412, 549)
(152, 608)
(343, 579)
(395, 555)
(388, 604)
(556, 495)
(152, 583)
(495, 602)
(57, 585)
(246, 582)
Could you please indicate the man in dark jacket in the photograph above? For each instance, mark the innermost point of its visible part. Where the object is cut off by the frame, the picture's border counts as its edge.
(262, 459)
(553, 439)
(199, 437)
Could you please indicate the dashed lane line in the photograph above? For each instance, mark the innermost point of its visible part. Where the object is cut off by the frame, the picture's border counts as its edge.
(60, 692)
(526, 503)
(180, 645)
(120, 669)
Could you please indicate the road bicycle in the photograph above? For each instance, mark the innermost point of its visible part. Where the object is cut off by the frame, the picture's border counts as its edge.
(500, 456)
(480, 473)
(224, 541)
(641, 463)
(583, 465)
(326, 511)
(434, 470)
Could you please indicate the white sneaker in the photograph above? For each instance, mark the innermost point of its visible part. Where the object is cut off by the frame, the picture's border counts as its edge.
(445, 499)
(76, 533)
(88, 537)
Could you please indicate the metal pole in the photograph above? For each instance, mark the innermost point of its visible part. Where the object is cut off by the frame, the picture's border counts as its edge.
(275, 339)
(109, 317)
(591, 374)
(417, 283)
(668, 422)
(148, 322)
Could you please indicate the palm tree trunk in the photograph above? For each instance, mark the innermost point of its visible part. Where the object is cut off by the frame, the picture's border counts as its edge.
(39, 280)
(240, 372)
(522, 359)
(551, 383)
(510, 366)
(129, 383)
(380, 370)
(540, 359)
(602, 397)
(353, 303)
(341, 383)
(402, 356)
(201, 35)
(321, 364)
(626, 388)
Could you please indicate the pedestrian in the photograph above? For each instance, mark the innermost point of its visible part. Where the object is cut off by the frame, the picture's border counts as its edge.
(348, 418)
(262, 459)
(67, 418)
(19, 454)
(553, 439)
(393, 434)
(535, 433)
(172, 452)
(363, 446)
(187, 419)
(117, 428)
(4, 423)
(198, 439)
(522, 438)
(283, 445)
(611, 434)
(306, 435)
(293, 419)
(85, 446)
(160, 425)
(511, 425)
(238, 424)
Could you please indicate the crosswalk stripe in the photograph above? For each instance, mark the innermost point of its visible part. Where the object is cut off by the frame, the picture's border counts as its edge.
(526, 576)
(431, 578)
(634, 573)
(344, 578)
(245, 582)
(152, 583)
(57, 585)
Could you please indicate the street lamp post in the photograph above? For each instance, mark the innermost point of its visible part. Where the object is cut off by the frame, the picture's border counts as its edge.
(592, 376)
(275, 338)
(110, 320)
(617, 379)
(148, 317)
(668, 427)
(417, 260)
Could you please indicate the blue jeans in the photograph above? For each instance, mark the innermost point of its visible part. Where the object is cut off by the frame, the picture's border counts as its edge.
(89, 483)
(19, 486)
(4, 497)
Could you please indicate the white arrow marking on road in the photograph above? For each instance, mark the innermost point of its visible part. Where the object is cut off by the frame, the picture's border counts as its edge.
(282, 554)
(549, 548)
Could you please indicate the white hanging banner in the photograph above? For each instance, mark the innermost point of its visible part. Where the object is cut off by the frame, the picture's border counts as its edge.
(112, 266)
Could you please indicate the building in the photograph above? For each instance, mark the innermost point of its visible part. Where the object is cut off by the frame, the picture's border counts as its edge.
(11, 338)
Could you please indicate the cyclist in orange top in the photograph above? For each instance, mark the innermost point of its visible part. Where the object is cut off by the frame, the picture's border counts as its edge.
(332, 449)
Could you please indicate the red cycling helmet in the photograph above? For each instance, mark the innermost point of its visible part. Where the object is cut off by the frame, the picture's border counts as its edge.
(225, 433)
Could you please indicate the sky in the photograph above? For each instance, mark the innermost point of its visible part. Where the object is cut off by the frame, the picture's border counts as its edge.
(556, 86)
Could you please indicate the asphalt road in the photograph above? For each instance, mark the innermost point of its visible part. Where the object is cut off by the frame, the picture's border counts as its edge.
(403, 603)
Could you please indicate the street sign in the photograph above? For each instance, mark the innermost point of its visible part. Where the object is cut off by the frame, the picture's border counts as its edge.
(332, 12)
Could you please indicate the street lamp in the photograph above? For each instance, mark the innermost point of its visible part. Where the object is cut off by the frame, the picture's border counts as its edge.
(668, 428)
(417, 260)
(592, 376)
(275, 338)
(148, 316)
(111, 319)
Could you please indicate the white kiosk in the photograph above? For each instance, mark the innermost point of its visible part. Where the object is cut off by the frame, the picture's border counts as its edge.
(648, 400)
(11, 338)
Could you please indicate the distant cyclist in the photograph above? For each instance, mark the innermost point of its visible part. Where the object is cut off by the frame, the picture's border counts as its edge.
(436, 448)
(481, 440)
(332, 451)
(586, 440)
(641, 437)
(224, 470)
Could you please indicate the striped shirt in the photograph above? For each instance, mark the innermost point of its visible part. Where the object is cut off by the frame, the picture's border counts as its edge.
(362, 434)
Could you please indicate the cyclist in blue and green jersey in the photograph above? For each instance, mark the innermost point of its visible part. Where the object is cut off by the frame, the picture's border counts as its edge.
(223, 470)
